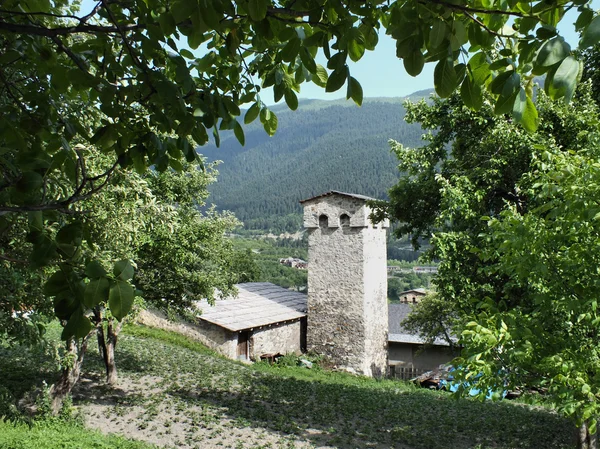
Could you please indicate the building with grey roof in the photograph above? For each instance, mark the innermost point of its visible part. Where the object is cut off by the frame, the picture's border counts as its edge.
(405, 349)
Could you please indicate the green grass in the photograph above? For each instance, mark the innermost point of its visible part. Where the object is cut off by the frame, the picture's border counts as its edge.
(64, 435)
(191, 397)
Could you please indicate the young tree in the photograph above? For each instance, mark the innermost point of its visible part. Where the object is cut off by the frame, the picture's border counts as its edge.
(180, 254)
(511, 219)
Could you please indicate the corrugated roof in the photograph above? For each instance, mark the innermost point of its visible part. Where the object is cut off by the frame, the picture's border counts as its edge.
(257, 304)
(336, 192)
(397, 333)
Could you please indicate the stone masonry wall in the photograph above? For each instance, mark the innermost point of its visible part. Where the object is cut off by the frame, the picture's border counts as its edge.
(213, 336)
(345, 287)
(376, 305)
(283, 338)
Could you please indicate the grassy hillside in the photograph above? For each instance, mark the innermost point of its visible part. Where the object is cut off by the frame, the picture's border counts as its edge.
(173, 392)
(324, 145)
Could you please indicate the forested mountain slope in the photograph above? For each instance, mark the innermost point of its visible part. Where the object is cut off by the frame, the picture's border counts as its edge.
(324, 145)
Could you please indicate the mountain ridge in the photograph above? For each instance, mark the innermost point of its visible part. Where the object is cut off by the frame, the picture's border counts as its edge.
(324, 145)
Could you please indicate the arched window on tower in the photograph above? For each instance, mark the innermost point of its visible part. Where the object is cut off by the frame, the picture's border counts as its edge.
(323, 221)
(344, 220)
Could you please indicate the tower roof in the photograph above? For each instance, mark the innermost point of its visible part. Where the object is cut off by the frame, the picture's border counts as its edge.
(336, 192)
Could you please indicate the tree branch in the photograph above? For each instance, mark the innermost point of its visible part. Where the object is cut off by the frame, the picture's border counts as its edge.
(63, 31)
(486, 28)
(10, 259)
(78, 62)
(39, 13)
(12, 95)
(87, 17)
(287, 12)
(62, 206)
(468, 9)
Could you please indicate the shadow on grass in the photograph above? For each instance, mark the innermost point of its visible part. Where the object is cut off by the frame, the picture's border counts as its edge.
(23, 369)
(350, 416)
(346, 411)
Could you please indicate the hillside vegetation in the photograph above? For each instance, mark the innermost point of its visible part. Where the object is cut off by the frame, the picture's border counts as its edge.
(320, 147)
(174, 392)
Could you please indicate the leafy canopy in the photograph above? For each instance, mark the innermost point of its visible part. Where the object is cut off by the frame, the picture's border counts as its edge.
(513, 219)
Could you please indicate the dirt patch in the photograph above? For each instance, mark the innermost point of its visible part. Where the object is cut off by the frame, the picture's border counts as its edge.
(156, 410)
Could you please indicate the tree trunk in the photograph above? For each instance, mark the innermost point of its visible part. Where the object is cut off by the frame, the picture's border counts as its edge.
(70, 373)
(112, 335)
(107, 342)
(585, 440)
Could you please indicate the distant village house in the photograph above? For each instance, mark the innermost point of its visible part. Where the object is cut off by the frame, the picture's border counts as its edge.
(412, 296)
(294, 263)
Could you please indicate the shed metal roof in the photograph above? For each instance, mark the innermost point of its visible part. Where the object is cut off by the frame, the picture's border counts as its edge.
(257, 304)
(336, 192)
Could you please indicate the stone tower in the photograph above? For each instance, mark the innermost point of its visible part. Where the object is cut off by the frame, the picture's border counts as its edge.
(347, 283)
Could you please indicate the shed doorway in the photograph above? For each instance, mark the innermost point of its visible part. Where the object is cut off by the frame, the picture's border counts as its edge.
(242, 346)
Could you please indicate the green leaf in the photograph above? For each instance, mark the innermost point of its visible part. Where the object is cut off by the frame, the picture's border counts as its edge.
(180, 9)
(239, 133)
(552, 52)
(56, 284)
(64, 305)
(269, 121)
(444, 77)
(123, 270)
(564, 80)
(370, 35)
(78, 326)
(437, 34)
(525, 112)
(95, 270)
(291, 99)
(257, 9)
(44, 250)
(252, 113)
(354, 91)
(176, 165)
(35, 220)
(585, 18)
(471, 93)
(199, 134)
(291, 49)
(70, 234)
(591, 36)
(413, 63)
(356, 44)
(120, 299)
(321, 77)
(216, 136)
(167, 23)
(308, 60)
(96, 292)
(505, 103)
(30, 181)
(336, 80)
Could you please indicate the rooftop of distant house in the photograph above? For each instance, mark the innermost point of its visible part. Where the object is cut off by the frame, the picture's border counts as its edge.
(336, 192)
(397, 313)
